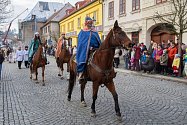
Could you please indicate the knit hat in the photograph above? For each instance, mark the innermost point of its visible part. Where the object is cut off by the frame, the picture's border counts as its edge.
(177, 55)
(88, 21)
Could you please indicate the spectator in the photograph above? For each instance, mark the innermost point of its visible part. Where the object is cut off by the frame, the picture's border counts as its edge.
(148, 65)
(116, 57)
(132, 60)
(172, 50)
(25, 56)
(1, 61)
(164, 62)
(143, 58)
(150, 49)
(125, 54)
(156, 55)
(175, 64)
(137, 57)
(19, 57)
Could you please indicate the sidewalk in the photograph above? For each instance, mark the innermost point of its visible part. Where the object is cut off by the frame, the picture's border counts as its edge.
(157, 76)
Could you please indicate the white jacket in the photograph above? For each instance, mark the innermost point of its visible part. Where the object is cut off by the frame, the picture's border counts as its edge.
(19, 55)
(25, 55)
(117, 51)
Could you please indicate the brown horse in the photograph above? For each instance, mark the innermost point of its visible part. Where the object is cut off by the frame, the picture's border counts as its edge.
(38, 61)
(64, 57)
(100, 70)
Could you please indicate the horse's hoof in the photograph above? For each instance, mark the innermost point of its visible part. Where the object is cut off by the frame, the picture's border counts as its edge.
(93, 114)
(69, 99)
(36, 82)
(30, 77)
(59, 75)
(43, 84)
(119, 118)
(83, 104)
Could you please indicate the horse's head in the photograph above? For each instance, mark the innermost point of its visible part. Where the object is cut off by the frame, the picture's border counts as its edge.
(120, 38)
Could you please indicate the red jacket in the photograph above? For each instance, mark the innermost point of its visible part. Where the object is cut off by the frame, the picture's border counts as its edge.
(137, 53)
(172, 52)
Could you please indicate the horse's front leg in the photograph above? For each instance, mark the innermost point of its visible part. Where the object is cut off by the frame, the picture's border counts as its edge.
(95, 87)
(31, 71)
(68, 74)
(43, 69)
(111, 88)
(62, 71)
(36, 73)
(83, 103)
(68, 67)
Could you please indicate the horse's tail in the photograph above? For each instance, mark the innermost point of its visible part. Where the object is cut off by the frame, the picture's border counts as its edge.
(72, 79)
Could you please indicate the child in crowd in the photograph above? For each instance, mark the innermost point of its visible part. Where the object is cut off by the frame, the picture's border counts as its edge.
(175, 64)
(164, 62)
(132, 60)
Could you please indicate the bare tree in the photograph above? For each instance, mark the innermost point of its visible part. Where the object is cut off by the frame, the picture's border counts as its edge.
(5, 10)
(55, 36)
(177, 18)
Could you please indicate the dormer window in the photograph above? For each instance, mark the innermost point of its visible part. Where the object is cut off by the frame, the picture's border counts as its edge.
(43, 6)
(77, 7)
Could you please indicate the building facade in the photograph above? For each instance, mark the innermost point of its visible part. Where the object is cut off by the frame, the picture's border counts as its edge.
(136, 17)
(74, 20)
(50, 30)
(36, 19)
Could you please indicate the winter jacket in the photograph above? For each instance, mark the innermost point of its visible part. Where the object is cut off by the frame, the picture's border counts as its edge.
(148, 65)
(164, 60)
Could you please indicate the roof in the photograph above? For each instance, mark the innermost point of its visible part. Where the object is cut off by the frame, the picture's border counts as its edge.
(59, 14)
(44, 10)
(82, 5)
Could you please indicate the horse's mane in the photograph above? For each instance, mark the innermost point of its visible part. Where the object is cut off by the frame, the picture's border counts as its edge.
(107, 39)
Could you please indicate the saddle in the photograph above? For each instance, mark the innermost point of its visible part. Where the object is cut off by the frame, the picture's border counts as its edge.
(90, 57)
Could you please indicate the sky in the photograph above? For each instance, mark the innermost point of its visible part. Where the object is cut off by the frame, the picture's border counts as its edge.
(21, 5)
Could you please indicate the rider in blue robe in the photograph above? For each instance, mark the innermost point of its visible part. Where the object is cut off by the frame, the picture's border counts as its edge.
(87, 39)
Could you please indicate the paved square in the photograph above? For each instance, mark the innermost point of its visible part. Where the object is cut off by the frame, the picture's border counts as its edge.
(143, 101)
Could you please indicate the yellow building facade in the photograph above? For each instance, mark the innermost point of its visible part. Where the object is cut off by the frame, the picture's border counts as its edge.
(74, 22)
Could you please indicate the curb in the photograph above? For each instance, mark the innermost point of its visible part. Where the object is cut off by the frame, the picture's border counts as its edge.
(153, 76)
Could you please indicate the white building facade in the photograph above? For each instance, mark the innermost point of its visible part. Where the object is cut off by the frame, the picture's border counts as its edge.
(136, 19)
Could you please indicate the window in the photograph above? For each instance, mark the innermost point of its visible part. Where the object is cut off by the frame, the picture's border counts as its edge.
(111, 10)
(49, 30)
(43, 6)
(64, 28)
(95, 18)
(160, 1)
(79, 22)
(122, 7)
(135, 5)
(71, 26)
(135, 37)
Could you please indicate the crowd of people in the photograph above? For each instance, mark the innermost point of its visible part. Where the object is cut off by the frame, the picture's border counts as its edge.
(157, 58)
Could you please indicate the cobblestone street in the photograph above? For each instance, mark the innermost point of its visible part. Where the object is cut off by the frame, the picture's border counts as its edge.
(143, 101)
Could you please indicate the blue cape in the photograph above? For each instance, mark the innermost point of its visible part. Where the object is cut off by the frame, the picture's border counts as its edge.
(84, 44)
